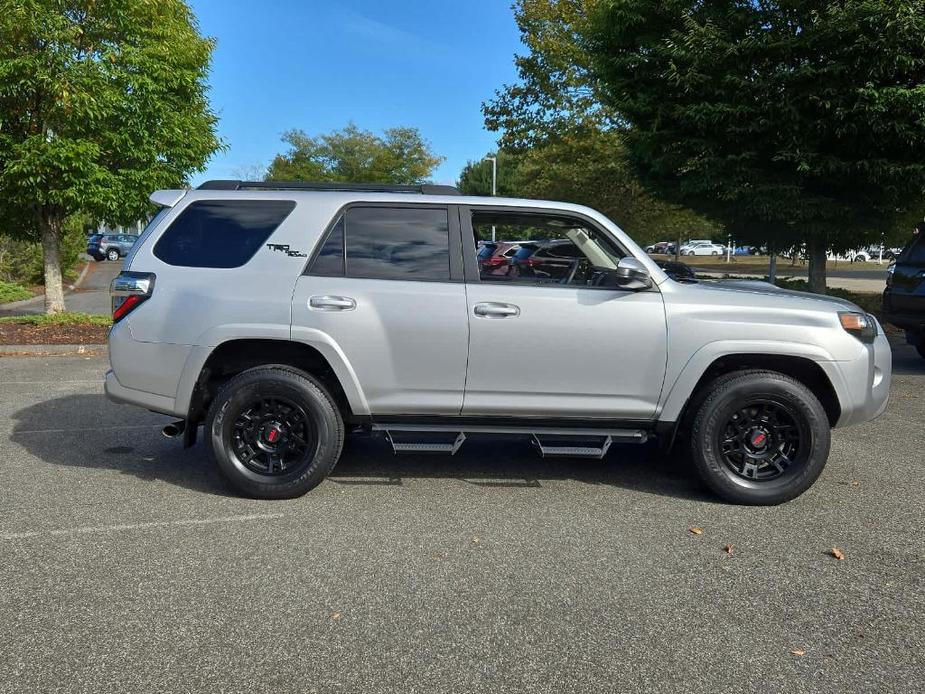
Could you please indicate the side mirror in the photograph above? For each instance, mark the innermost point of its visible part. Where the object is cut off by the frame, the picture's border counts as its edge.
(632, 274)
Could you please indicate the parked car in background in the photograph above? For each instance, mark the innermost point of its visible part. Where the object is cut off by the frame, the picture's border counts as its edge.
(495, 256)
(660, 248)
(703, 248)
(904, 297)
(110, 246)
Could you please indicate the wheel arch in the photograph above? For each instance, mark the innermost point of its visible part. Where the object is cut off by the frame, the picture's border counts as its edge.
(209, 367)
(814, 369)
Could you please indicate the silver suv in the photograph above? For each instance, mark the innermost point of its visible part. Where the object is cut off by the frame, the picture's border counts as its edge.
(279, 316)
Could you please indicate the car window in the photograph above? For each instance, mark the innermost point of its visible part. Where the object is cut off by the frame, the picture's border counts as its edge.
(329, 262)
(554, 249)
(914, 252)
(397, 243)
(220, 233)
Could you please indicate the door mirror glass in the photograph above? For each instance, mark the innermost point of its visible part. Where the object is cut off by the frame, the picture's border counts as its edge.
(632, 274)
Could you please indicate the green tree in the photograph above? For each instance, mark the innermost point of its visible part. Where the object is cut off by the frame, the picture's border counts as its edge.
(567, 141)
(401, 155)
(791, 121)
(475, 178)
(101, 102)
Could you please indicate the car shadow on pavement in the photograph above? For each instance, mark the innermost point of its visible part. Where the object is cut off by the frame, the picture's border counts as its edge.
(88, 431)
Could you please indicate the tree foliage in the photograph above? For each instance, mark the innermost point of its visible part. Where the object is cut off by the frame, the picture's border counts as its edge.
(591, 170)
(793, 121)
(400, 155)
(101, 102)
(565, 141)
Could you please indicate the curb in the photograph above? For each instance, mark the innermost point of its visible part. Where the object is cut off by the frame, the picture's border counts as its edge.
(39, 298)
(48, 350)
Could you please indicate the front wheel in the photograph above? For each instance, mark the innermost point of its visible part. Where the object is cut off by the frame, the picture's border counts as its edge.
(274, 432)
(112, 254)
(759, 438)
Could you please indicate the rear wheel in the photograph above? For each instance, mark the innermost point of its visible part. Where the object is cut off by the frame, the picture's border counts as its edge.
(759, 437)
(274, 432)
(112, 254)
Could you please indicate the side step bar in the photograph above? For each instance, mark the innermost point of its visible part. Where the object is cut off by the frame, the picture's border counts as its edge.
(551, 442)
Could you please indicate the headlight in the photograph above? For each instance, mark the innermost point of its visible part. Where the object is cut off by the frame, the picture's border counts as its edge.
(861, 325)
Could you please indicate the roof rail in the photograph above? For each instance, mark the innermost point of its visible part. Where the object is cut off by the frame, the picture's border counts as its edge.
(420, 189)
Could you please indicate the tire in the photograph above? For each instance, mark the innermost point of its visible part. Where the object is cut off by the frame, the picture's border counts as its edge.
(298, 407)
(713, 253)
(750, 424)
(112, 254)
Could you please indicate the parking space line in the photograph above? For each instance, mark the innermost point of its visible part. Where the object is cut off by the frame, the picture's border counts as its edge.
(91, 529)
(38, 383)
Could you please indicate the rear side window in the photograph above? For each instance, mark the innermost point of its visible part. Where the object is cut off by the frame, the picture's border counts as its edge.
(915, 251)
(389, 243)
(221, 233)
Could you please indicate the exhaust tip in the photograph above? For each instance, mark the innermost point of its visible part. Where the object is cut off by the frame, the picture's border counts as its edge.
(174, 429)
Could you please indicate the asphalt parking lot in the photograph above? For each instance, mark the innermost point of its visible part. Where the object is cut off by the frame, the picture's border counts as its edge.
(128, 566)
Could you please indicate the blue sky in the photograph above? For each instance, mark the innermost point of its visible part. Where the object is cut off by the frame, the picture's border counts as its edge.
(316, 65)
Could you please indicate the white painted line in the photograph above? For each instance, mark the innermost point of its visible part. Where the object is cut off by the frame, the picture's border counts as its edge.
(76, 429)
(45, 383)
(90, 529)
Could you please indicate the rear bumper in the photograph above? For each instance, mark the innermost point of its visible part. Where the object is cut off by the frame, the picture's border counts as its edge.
(116, 392)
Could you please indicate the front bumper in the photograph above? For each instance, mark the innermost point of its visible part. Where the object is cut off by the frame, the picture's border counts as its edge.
(864, 389)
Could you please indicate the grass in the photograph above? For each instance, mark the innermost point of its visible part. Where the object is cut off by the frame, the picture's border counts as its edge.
(10, 291)
(59, 319)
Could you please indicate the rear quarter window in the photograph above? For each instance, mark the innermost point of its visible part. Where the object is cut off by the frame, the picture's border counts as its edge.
(220, 233)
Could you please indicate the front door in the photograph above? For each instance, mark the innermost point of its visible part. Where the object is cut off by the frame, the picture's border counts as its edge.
(548, 337)
(383, 287)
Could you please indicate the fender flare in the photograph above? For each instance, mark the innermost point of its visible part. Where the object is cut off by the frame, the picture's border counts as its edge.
(676, 395)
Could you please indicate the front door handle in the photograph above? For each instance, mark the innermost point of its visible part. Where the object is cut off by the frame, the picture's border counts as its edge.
(332, 303)
(492, 309)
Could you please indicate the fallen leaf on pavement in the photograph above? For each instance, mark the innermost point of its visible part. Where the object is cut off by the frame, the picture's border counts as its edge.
(335, 616)
(838, 554)
(696, 531)
(797, 652)
(728, 549)
(476, 540)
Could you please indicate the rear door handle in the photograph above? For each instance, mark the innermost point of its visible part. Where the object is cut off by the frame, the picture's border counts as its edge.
(493, 309)
(332, 303)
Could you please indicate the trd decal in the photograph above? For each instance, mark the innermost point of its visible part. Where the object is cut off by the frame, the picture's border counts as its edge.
(284, 247)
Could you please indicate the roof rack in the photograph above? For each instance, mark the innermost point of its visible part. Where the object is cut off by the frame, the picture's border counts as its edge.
(422, 189)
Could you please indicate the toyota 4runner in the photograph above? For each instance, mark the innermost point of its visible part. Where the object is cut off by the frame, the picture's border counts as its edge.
(278, 316)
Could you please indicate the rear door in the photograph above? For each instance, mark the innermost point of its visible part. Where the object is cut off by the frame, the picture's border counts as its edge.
(907, 292)
(386, 286)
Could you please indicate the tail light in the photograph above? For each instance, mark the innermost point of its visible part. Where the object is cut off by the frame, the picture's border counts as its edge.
(129, 290)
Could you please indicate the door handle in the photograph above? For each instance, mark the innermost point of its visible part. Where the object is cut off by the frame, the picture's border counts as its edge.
(492, 309)
(332, 303)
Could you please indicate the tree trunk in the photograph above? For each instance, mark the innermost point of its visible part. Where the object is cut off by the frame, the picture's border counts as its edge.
(54, 285)
(816, 252)
(772, 266)
(677, 249)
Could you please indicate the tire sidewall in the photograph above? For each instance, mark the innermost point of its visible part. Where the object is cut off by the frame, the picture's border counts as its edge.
(299, 388)
(112, 254)
(714, 413)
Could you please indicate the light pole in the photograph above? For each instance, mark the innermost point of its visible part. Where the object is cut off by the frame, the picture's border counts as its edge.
(494, 186)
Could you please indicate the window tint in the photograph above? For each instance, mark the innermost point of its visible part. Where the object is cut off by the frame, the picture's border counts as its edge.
(398, 243)
(915, 251)
(221, 233)
(547, 249)
(330, 259)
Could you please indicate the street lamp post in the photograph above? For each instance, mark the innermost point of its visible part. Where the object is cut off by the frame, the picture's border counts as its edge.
(494, 186)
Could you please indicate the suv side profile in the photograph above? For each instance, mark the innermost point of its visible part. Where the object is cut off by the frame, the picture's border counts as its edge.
(278, 316)
(110, 246)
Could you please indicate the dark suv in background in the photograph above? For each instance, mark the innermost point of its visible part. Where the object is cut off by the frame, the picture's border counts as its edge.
(110, 246)
(904, 298)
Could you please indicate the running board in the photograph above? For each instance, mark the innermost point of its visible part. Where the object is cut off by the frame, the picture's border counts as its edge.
(572, 451)
(560, 442)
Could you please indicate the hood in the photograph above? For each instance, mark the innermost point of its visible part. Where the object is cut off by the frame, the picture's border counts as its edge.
(767, 289)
